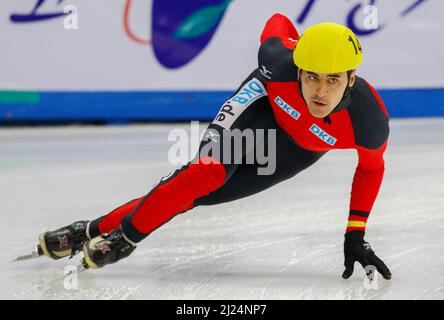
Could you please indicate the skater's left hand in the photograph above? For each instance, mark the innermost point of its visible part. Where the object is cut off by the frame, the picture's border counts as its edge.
(357, 249)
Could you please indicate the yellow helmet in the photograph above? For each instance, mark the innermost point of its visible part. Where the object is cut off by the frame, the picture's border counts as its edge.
(328, 48)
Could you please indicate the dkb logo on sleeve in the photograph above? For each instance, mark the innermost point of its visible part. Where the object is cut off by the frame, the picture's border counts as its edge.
(287, 108)
(321, 134)
(234, 107)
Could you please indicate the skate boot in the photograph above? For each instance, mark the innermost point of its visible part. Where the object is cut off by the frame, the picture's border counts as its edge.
(64, 242)
(107, 249)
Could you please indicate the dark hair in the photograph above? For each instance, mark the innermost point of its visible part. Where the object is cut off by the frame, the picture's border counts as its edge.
(349, 72)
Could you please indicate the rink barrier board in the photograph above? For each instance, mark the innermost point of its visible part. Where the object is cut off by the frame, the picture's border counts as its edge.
(127, 106)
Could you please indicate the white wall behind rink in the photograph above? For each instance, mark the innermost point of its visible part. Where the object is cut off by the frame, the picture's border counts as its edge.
(406, 53)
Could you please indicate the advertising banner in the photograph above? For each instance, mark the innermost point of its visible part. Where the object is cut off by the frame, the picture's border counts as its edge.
(89, 59)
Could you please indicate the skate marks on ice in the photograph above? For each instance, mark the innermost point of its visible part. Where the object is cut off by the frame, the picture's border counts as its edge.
(285, 243)
(46, 281)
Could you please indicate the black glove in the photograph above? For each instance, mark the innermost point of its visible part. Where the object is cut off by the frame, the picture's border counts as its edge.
(357, 249)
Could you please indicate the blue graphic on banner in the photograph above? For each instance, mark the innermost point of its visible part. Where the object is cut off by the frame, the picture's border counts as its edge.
(182, 29)
(350, 21)
(35, 15)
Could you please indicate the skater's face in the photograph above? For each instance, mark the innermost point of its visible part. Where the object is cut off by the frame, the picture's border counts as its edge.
(324, 91)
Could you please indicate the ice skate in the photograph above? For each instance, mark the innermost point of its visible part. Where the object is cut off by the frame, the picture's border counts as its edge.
(106, 249)
(64, 242)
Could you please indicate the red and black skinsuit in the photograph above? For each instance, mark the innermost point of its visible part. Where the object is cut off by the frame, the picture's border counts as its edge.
(268, 99)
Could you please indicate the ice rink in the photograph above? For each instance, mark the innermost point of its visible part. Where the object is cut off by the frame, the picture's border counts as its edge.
(285, 243)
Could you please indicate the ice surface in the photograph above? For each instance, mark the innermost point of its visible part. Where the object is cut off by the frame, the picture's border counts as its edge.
(285, 243)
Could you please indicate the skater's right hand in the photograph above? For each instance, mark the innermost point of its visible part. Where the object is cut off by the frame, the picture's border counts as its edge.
(357, 249)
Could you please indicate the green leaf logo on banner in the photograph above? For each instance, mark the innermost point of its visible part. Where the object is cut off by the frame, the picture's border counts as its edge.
(201, 21)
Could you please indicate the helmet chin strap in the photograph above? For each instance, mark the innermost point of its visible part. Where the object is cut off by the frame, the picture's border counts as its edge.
(346, 97)
(345, 101)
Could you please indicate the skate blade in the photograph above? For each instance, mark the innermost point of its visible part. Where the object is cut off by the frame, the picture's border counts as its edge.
(37, 253)
(79, 269)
